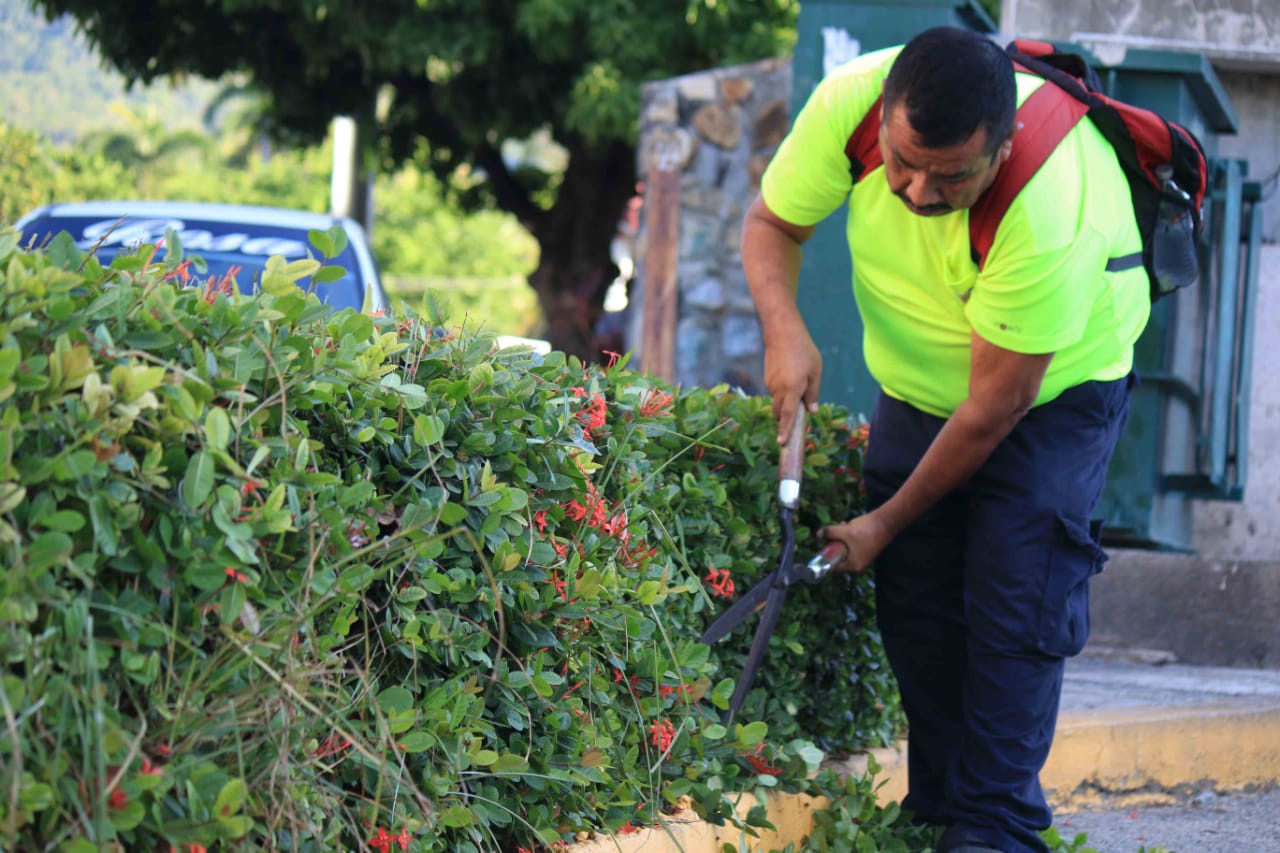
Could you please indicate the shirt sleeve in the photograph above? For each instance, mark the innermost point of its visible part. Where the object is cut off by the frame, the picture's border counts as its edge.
(808, 178)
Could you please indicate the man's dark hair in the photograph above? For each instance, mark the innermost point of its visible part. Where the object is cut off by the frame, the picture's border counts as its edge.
(953, 81)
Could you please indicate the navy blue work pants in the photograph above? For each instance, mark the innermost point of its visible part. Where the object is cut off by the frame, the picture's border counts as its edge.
(981, 600)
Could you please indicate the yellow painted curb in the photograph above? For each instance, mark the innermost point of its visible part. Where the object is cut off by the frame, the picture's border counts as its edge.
(1128, 755)
(1128, 752)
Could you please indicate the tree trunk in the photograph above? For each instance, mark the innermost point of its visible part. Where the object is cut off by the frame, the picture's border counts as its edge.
(575, 267)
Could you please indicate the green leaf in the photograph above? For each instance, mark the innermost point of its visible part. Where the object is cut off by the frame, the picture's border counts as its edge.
(427, 430)
(36, 797)
(322, 242)
(648, 592)
(484, 757)
(125, 819)
(217, 428)
(510, 763)
(11, 497)
(328, 275)
(451, 514)
(80, 845)
(456, 817)
(230, 799)
(47, 550)
(8, 242)
(484, 499)
(197, 485)
(416, 741)
(395, 700)
(752, 733)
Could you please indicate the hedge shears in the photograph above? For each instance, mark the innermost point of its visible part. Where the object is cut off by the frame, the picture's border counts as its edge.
(771, 591)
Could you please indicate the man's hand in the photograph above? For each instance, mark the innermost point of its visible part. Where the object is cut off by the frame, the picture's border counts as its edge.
(792, 373)
(863, 537)
(771, 260)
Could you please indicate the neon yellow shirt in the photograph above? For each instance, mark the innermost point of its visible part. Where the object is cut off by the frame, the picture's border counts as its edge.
(1044, 287)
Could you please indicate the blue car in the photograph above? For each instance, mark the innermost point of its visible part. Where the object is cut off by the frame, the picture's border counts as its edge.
(224, 236)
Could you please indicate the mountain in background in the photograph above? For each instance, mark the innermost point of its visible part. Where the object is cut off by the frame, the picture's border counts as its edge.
(52, 82)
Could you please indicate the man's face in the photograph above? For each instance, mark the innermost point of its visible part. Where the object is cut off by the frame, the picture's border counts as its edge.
(936, 181)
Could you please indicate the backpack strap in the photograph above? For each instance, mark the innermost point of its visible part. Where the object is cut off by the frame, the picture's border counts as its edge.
(863, 147)
(1047, 116)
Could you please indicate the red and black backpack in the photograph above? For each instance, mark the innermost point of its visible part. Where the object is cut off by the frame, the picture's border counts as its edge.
(1163, 161)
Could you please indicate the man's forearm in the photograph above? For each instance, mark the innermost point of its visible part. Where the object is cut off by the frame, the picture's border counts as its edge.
(771, 255)
(961, 447)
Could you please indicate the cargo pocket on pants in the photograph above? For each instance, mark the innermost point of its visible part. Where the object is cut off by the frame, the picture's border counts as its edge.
(1075, 557)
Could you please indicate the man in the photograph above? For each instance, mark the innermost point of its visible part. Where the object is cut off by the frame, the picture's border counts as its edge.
(1002, 396)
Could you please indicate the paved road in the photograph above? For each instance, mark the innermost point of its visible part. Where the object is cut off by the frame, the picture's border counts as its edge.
(1207, 823)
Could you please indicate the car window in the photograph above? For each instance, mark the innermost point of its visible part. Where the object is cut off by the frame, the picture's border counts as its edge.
(223, 246)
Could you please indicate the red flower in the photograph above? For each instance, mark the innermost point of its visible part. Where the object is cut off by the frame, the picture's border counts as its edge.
(182, 272)
(632, 683)
(118, 799)
(593, 415)
(251, 487)
(667, 691)
(381, 841)
(540, 520)
(765, 768)
(655, 403)
(403, 838)
(237, 576)
(661, 734)
(720, 582)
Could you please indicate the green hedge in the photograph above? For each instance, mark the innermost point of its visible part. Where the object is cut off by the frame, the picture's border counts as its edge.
(277, 578)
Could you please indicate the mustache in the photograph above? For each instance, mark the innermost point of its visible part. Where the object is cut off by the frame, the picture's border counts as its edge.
(939, 207)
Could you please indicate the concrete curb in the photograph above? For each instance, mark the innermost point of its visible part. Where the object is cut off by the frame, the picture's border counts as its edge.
(1137, 756)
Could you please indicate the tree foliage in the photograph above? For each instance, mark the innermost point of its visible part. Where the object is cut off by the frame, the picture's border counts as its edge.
(53, 82)
(464, 75)
(33, 173)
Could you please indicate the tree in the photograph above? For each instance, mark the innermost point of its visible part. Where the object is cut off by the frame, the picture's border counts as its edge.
(34, 173)
(465, 76)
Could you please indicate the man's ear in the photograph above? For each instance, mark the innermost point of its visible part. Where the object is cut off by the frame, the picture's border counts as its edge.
(1006, 147)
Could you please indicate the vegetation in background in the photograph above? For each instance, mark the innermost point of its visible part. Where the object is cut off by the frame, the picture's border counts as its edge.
(465, 76)
(58, 85)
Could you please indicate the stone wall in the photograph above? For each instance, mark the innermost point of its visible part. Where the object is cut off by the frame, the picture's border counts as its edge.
(717, 129)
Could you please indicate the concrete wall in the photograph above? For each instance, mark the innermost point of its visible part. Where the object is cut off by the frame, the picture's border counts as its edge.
(1250, 530)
